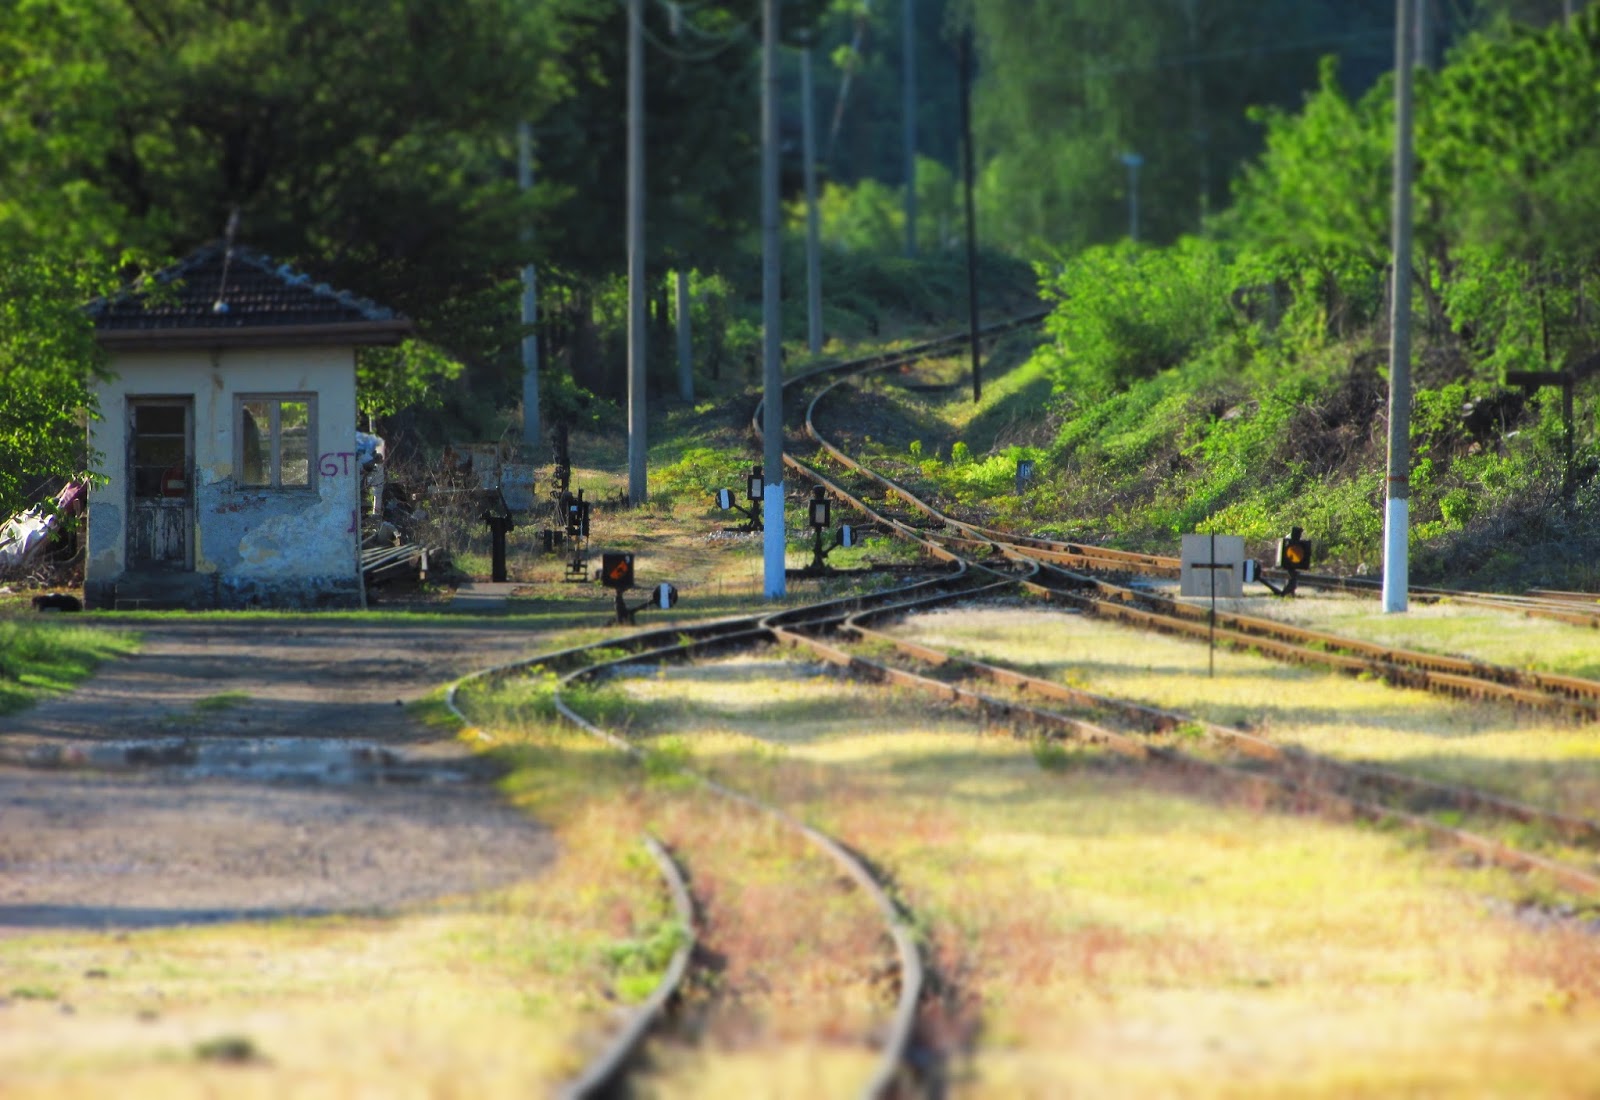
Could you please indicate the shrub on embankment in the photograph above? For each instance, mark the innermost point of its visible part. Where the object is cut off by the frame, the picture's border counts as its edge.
(1240, 382)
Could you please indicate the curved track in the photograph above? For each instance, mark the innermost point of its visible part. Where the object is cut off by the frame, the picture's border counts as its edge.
(983, 561)
(1074, 573)
(582, 663)
(1361, 790)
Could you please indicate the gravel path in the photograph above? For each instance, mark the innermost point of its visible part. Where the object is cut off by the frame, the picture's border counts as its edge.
(252, 769)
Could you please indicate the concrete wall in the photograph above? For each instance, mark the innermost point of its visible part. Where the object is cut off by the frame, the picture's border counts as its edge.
(259, 547)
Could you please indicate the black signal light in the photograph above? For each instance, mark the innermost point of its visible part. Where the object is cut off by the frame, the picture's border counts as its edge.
(820, 509)
(616, 571)
(1294, 552)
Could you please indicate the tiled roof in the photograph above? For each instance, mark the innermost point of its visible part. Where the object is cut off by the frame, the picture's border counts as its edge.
(219, 289)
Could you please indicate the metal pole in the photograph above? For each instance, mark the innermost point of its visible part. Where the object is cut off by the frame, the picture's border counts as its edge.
(908, 90)
(685, 338)
(1396, 519)
(968, 179)
(1424, 45)
(1133, 205)
(1211, 636)
(808, 130)
(773, 532)
(1133, 161)
(637, 492)
(530, 305)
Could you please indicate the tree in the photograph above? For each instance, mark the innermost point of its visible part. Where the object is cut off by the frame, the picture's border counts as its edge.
(1067, 88)
(48, 356)
(367, 141)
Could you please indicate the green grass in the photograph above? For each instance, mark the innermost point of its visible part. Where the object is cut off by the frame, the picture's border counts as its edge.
(40, 659)
(226, 700)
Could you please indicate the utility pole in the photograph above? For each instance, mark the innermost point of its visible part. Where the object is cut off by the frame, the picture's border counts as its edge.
(967, 179)
(685, 334)
(908, 89)
(1134, 161)
(1396, 518)
(637, 492)
(808, 141)
(849, 73)
(530, 305)
(1424, 45)
(773, 534)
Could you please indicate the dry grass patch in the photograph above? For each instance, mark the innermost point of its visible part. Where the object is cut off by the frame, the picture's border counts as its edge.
(791, 956)
(495, 995)
(1444, 626)
(1103, 932)
(1537, 758)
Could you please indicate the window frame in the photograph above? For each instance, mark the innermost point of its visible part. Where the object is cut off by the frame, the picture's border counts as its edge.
(272, 438)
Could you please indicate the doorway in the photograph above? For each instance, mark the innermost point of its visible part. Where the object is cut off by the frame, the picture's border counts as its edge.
(161, 483)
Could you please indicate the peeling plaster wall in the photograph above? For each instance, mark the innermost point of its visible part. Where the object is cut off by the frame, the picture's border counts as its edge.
(272, 547)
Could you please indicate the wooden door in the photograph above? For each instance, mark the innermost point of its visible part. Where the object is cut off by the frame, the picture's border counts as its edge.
(161, 483)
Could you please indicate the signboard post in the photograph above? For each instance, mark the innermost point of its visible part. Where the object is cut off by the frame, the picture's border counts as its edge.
(1212, 565)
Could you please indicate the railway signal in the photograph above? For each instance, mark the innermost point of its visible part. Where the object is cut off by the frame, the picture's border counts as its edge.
(821, 514)
(1294, 552)
(754, 489)
(616, 573)
(1294, 555)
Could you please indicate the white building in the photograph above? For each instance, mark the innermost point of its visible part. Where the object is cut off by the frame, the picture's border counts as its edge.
(227, 438)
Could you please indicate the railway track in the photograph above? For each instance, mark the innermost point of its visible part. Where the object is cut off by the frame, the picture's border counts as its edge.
(1092, 580)
(599, 660)
(1076, 574)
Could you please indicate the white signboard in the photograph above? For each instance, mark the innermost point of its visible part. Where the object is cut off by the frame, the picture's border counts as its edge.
(1212, 565)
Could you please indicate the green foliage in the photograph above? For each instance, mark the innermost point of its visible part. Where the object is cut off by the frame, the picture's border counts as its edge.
(411, 376)
(701, 471)
(1127, 312)
(47, 357)
(1067, 87)
(638, 963)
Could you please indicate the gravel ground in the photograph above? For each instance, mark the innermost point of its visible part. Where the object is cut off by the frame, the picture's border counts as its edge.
(252, 769)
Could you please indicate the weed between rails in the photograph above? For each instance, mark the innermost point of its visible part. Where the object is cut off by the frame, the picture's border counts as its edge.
(789, 953)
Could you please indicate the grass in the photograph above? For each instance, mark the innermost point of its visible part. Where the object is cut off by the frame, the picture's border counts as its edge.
(1102, 933)
(1547, 761)
(483, 996)
(795, 951)
(41, 659)
(225, 700)
(1485, 634)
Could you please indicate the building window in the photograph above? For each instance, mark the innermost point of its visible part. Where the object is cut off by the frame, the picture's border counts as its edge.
(276, 437)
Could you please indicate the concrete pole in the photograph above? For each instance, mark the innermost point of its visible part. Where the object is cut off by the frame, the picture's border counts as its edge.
(968, 182)
(637, 492)
(1424, 44)
(530, 305)
(773, 534)
(680, 278)
(1134, 161)
(808, 141)
(908, 111)
(1396, 518)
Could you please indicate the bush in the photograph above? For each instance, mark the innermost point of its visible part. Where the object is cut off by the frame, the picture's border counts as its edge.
(1128, 312)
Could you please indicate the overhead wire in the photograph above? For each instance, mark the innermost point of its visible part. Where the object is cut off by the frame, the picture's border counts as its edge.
(726, 40)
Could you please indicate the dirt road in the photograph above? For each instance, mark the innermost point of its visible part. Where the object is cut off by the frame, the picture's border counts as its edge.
(250, 769)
